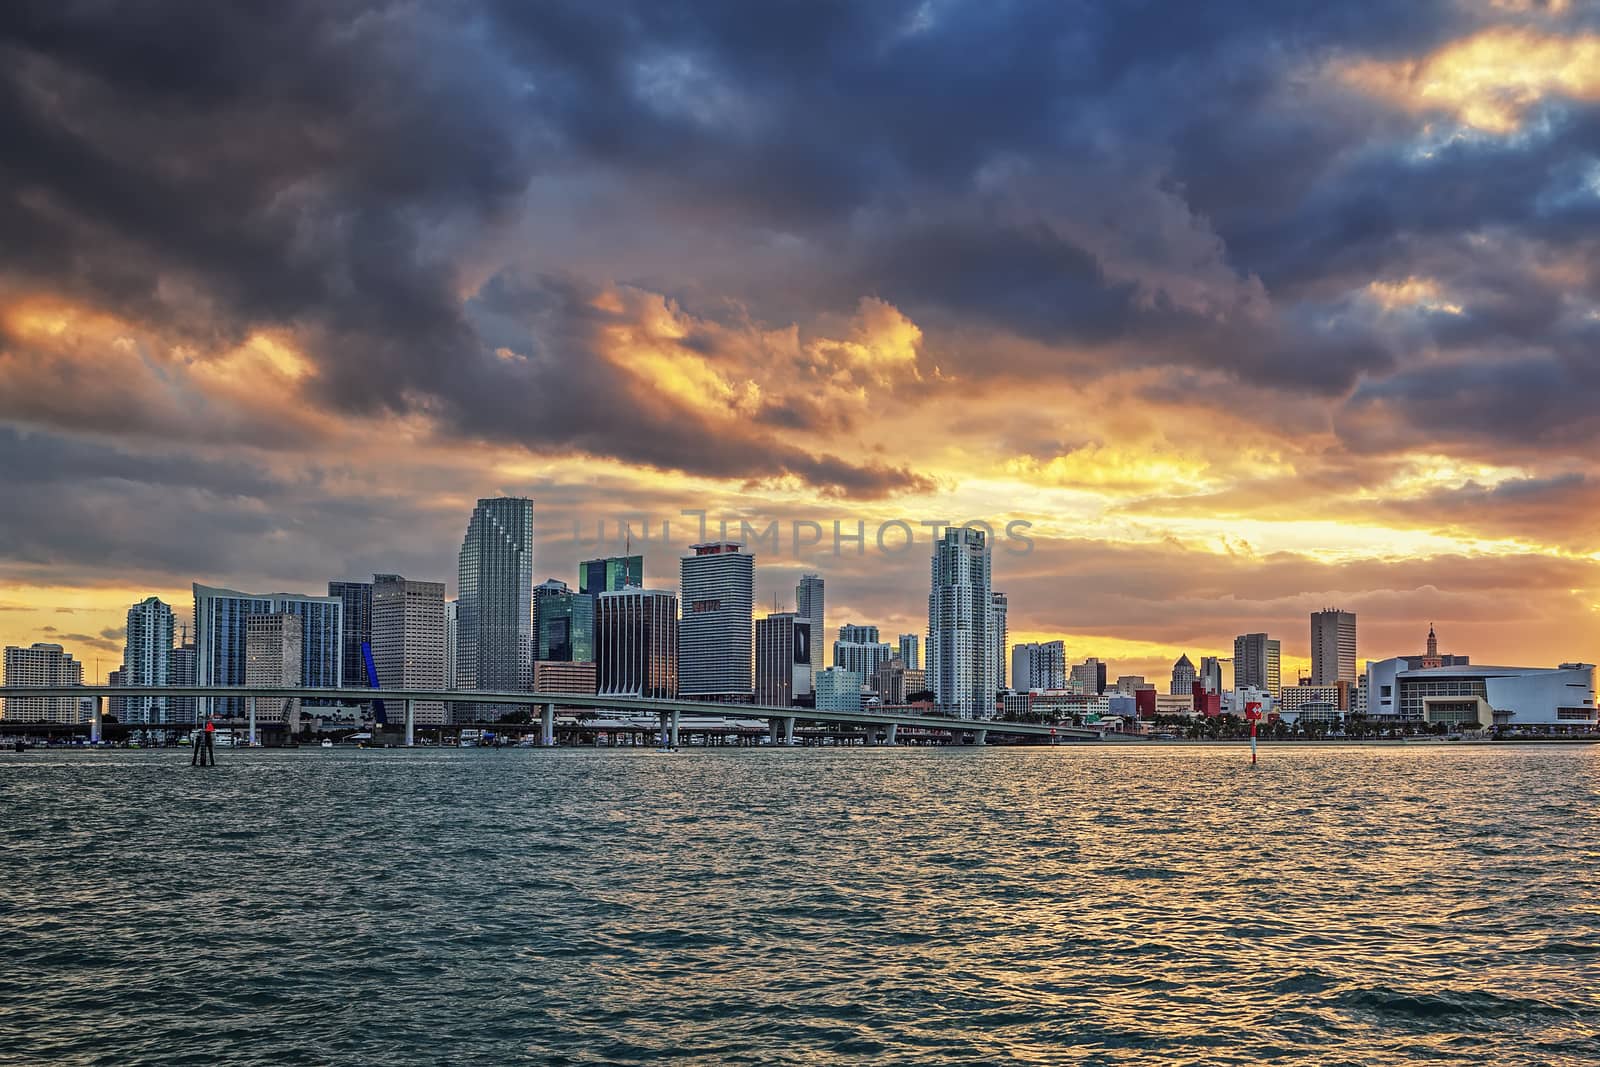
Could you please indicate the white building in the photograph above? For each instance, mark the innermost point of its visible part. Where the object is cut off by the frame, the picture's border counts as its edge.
(1333, 647)
(408, 639)
(716, 637)
(42, 664)
(1041, 665)
(1535, 699)
(838, 690)
(147, 659)
(961, 644)
(1321, 702)
(910, 655)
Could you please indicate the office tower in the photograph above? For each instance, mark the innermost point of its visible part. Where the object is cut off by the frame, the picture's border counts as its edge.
(716, 642)
(1039, 666)
(1210, 674)
(357, 600)
(1256, 659)
(147, 658)
(808, 601)
(182, 709)
(408, 640)
(783, 659)
(220, 617)
(858, 649)
(1183, 676)
(610, 573)
(859, 635)
(1131, 683)
(960, 629)
(839, 690)
(42, 664)
(451, 634)
(1089, 677)
(557, 676)
(998, 614)
(494, 605)
(894, 682)
(910, 656)
(636, 643)
(273, 653)
(1333, 647)
(563, 623)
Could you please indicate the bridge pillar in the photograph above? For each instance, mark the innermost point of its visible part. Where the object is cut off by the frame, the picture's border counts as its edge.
(547, 726)
(772, 730)
(411, 723)
(980, 737)
(673, 743)
(251, 703)
(95, 722)
(664, 728)
(788, 729)
(889, 733)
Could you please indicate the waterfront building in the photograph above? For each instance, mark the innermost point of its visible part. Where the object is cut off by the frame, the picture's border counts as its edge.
(356, 630)
(1041, 665)
(783, 659)
(808, 603)
(554, 676)
(41, 664)
(1183, 676)
(182, 672)
(610, 574)
(1306, 701)
(1089, 676)
(1333, 647)
(563, 622)
(838, 690)
(220, 619)
(1016, 706)
(910, 652)
(273, 656)
(636, 643)
(1210, 674)
(716, 649)
(960, 654)
(1257, 662)
(494, 604)
(147, 659)
(998, 606)
(408, 640)
(1532, 699)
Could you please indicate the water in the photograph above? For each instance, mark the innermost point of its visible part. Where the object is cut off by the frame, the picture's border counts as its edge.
(1095, 905)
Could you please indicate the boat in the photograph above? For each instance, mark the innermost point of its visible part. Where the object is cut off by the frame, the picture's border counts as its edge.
(326, 743)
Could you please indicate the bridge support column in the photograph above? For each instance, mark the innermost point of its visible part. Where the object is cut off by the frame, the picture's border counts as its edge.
(547, 726)
(772, 730)
(889, 733)
(95, 723)
(673, 727)
(664, 728)
(980, 737)
(788, 729)
(251, 702)
(411, 723)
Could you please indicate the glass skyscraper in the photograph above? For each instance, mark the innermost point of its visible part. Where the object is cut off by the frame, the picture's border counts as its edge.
(564, 623)
(609, 574)
(220, 621)
(494, 625)
(961, 639)
(357, 598)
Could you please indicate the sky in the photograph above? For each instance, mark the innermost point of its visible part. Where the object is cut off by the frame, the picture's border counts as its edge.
(1246, 309)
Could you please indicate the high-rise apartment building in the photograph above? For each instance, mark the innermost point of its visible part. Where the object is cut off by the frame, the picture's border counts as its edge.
(636, 643)
(183, 667)
(910, 652)
(563, 623)
(716, 642)
(960, 628)
(1257, 663)
(147, 659)
(1333, 647)
(610, 573)
(998, 609)
(42, 664)
(856, 634)
(858, 649)
(783, 659)
(408, 639)
(357, 630)
(1183, 676)
(808, 603)
(220, 622)
(1039, 666)
(273, 655)
(494, 606)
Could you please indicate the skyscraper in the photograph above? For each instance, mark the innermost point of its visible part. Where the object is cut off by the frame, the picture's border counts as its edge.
(860, 635)
(716, 643)
(1039, 666)
(910, 656)
(563, 623)
(147, 658)
(494, 622)
(220, 627)
(1333, 647)
(42, 664)
(808, 601)
(1256, 663)
(783, 659)
(273, 654)
(636, 643)
(858, 649)
(998, 613)
(1211, 673)
(610, 573)
(1183, 676)
(960, 628)
(357, 630)
(182, 709)
(408, 639)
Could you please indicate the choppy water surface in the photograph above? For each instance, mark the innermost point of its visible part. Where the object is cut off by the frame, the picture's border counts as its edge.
(1335, 905)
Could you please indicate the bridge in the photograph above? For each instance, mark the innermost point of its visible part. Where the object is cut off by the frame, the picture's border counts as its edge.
(780, 720)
